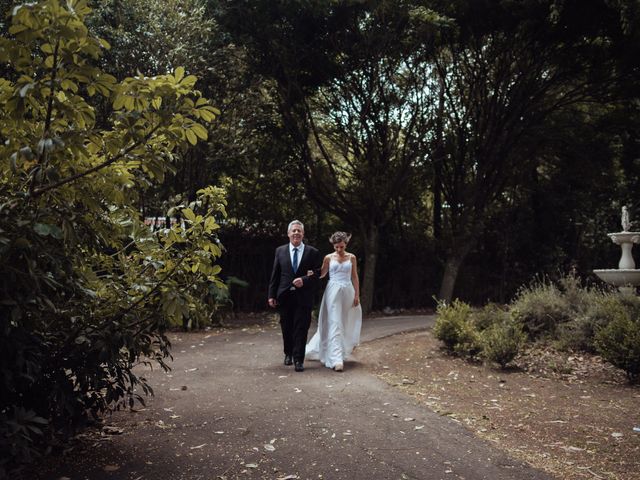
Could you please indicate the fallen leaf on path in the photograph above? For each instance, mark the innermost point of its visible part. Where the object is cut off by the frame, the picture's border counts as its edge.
(251, 465)
(297, 390)
(418, 427)
(111, 430)
(269, 447)
(572, 449)
(191, 369)
(111, 468)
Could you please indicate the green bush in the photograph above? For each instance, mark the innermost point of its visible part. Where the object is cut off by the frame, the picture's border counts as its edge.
(455, 328)
(599, 310)
(619, 344)
(469, 344)
(540, 308)
(502, 341)
(449, 322)
(488, 315)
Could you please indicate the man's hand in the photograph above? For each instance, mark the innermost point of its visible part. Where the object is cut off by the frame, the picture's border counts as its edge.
(298, 283)
(272, 302)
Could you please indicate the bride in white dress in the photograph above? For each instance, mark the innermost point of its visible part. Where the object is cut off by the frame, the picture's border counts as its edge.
(340, 317)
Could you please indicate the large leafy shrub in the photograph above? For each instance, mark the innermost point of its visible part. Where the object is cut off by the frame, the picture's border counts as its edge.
(86, 289)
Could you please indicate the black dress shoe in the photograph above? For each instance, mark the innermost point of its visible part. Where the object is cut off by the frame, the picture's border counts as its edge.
(288, 360)
(299, 367)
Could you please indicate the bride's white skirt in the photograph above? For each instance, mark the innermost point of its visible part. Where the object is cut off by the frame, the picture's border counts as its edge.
(339, 324)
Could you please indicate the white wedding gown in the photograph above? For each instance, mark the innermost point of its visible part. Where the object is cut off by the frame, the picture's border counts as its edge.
(339, 322)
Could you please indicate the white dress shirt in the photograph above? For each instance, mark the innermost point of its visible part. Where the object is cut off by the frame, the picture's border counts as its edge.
(300, 250)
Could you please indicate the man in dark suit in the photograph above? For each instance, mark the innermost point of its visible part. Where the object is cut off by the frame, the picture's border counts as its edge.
(292, 288)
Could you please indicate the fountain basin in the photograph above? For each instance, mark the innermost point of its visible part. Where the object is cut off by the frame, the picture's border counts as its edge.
(619, 277)
(624, 237)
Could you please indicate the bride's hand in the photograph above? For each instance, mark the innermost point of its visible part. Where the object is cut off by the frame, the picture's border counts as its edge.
(309, 273)
(356, 301)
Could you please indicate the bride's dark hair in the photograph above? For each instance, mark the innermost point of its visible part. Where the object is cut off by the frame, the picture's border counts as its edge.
(338, 237)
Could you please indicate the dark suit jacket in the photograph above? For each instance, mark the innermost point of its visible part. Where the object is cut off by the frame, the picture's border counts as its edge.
(282, 276)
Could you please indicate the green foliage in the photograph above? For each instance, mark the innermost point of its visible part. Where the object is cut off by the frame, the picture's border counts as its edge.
(489, 332)
(488, 315)
(583, 319)
(87, 289)
(502, 341)
(455, 328)
(578, 334)
(619, 344)
(540, 308)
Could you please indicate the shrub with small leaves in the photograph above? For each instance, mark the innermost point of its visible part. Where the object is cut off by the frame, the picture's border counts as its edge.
(579, 333)
(502, 341)
(619, 344)
(454, 327)
(540, 308)
(486, 316)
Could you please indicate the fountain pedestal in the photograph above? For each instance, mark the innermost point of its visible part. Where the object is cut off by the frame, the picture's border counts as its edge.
(626, 276)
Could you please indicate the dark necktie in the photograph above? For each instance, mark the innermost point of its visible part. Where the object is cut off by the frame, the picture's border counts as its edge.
(295, 260)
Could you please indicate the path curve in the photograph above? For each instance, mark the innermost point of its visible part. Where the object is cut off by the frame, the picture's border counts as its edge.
(230, 409)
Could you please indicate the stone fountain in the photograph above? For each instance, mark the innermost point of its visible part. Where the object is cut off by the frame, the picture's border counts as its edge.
(626, 276)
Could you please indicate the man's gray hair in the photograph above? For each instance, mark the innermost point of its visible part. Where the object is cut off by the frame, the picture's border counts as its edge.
(295, 222)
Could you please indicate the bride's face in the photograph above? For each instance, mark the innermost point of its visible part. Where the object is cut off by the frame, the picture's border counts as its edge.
(340, 247)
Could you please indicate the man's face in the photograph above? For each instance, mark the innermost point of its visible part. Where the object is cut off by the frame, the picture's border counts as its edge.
(296, 234)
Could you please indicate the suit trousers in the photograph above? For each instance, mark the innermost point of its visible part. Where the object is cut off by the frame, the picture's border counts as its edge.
(295, 320)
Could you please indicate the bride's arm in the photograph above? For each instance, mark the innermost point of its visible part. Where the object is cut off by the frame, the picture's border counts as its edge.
(354, 280)
(325, 266)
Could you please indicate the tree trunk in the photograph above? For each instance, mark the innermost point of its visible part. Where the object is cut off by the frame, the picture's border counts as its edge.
(451, 269)
(439, 155)
(369, 268)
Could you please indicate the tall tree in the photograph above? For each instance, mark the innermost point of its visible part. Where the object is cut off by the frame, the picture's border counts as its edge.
(352, 92)
(502, 74)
